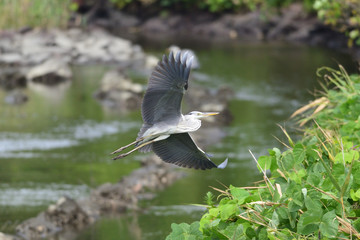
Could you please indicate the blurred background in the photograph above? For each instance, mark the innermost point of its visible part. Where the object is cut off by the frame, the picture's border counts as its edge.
(72, 73)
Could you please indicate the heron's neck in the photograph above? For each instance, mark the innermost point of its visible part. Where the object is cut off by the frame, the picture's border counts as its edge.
(190, 118)
(190, 123)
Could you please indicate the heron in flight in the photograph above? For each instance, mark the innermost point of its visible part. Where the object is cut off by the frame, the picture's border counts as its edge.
(165, 129)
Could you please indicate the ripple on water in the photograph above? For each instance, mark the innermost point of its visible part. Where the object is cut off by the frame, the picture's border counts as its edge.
(175, 210)
(39, 194)
(60, 137)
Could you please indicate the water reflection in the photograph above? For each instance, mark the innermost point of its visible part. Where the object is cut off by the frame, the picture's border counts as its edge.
(53, 93)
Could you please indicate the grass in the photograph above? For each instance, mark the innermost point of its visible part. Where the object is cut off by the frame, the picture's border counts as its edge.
(15, 14)
(314, 189)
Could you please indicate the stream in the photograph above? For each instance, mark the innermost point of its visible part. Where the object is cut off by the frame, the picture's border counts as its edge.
(58, 142)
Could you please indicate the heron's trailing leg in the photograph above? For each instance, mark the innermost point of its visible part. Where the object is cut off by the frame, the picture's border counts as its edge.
(124, 147)
(133, 150)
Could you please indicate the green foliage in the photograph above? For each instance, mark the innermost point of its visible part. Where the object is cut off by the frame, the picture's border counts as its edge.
(344, 15)
(184, 231)
(32, 13)
(316, 182)
(214, 6)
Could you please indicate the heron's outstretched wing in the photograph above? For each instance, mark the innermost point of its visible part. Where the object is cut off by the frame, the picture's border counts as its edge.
(181, 150)
(166, 87)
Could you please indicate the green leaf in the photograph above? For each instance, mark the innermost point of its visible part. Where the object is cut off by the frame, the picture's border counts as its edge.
(239, 194)
(308, 223)
(299, 153)
(329, 224)
(184, 231)
(250, 232)
(356, 224)
(348, 157)
(355, 195)
(264, 163)
(312, 205)
(354, 33)
(314, 179)
(228, 210)
(233, 231)
(274, 222)
(263, 235)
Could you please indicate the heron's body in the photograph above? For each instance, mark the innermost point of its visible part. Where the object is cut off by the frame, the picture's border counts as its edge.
(165, 129)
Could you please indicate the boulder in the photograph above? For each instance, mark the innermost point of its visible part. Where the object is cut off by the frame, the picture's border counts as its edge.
(12, 77)
(51, 72)
(8, 237)
(118, 91)
(65, 214)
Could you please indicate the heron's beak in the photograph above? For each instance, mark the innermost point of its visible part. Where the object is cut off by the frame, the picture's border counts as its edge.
(210, 113)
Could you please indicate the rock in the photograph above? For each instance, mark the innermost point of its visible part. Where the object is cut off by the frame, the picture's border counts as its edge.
(118, 91)
(151, 62)
(38, 46)
(8, 237)
(114, 80)
(245, 26)
(36, 228)
(67, 213)
(155, 25)
(10, 60)
(51, 72)
(123, 21)
(12, 77)
(74, 46)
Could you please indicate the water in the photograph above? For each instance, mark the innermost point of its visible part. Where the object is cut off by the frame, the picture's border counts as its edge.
(58, 142)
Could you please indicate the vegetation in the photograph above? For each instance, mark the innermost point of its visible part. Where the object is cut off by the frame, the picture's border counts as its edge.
(32, 13)
(314, 189)
(343, 15)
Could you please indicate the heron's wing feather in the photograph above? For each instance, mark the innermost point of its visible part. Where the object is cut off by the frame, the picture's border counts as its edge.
(181, 150)
(166, 87)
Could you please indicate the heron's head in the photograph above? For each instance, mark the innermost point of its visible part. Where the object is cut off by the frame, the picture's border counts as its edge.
(199, 115)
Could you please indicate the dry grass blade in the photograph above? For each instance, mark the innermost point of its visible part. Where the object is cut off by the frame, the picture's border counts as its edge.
(328, 194)
(319, 108)
(346, 227)
(286, 134)
(281, 142)
(252, 187)
(219, 190)
(281, 173)
(312, 104)
(264, 203)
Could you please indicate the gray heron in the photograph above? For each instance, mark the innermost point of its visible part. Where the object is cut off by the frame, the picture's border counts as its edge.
(165, 129)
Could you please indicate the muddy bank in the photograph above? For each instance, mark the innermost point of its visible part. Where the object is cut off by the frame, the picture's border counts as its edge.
(290, 24)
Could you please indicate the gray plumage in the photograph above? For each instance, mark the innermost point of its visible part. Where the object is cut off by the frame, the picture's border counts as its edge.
(165, 129)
